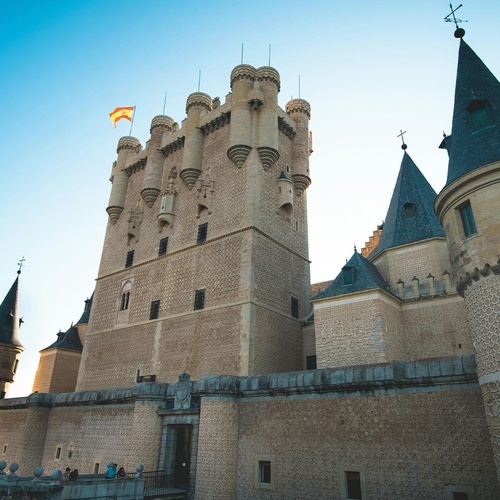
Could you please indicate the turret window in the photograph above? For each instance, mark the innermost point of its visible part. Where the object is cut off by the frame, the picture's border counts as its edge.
(410, 210)
(467, 217)
(125, 295)
(294, 306)
(348, 274)
(479, 114)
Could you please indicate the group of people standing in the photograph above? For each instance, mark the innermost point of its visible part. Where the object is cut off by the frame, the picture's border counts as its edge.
(112, 473)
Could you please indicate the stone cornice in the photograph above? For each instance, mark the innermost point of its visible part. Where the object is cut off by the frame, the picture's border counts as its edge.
(469, 279)
(136, 166)
(285, 128)
(176, 144)
(218, 122)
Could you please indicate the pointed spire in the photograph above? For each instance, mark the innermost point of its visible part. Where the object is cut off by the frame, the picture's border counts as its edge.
(411, 214)
(475, 136)
(9, 316)
(84, 318)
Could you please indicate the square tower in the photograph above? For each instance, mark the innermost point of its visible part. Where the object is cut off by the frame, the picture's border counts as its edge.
(205, 263)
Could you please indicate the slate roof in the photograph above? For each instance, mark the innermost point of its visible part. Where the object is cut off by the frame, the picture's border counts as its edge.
(399, 229)
(366, 277)
(471, 149)
(69, 340)
(84, 318)
(9, 317)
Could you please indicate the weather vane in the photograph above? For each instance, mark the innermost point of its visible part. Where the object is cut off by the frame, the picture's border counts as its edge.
(21, 265)
(403, 146)
(459, 32)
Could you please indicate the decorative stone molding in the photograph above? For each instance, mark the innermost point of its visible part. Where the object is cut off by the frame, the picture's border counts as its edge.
(478, 274)
(163, 122)
(176, 144)
(268, 74)
(243, 72)
(134, 223)
(129, 142)
(216, 123)
(135, 167)
(285, 128)
(298, 106)
(268, 156)
(166, 216)
(199, 99)
(238, 154)
(301, 183)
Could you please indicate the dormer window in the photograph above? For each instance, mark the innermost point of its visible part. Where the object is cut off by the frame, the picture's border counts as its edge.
(410, 210)
(349, 274)
(479, 114)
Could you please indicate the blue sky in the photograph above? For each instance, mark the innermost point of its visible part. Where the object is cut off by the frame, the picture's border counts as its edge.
(367, 68)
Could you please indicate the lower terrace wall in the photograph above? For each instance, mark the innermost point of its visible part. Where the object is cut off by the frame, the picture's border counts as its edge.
(408, 429)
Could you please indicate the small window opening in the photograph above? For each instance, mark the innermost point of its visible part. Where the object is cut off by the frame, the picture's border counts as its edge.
(125, 301)
(202, 233)
(479, 114)
(96, 468)
(130, 258)
(58, 452)
(4, 449)
(288, 169)
(410, 210)
(265, 471)
(294, 307)
(353, 482)
(468, 222)
(199, 299)
(162, 249)
(16, 362)
(155, 309)
(311, 362)
(460, 495)
(348, 273)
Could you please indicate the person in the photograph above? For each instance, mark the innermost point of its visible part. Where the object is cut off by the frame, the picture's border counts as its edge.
(65, 476)
(110, 471)
(121, 473)
(73, 475)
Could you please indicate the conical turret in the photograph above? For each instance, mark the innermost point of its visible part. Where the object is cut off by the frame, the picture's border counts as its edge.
(475, 135)
(10, 343)
(410, 216)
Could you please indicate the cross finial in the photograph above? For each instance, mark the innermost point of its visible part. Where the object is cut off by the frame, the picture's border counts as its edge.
(21, 265)
(459, 32)
(403, 146)
(355, 249)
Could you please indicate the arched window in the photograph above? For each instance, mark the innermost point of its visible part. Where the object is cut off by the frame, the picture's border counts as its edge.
(125, 295)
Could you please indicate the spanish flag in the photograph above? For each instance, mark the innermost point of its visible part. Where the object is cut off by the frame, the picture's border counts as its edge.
(123, 112)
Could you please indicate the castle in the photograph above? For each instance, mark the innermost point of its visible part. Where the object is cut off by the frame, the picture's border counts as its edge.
(199, 353)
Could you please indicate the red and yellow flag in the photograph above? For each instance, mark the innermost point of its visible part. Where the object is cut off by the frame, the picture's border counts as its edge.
(122, 112)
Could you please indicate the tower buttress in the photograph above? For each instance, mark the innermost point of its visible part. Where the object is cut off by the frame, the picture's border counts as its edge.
(119, 176)
(154, 166)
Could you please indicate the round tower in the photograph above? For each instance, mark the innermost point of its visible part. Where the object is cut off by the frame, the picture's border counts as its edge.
(267, 143)
(300, 112)
(154, 166)
(240, 134)
(194, 138)
(469, 210)
(119, 177)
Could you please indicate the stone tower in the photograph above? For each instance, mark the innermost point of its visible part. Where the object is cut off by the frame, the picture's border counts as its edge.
(10, 344)
(205, 263)
(469, 210)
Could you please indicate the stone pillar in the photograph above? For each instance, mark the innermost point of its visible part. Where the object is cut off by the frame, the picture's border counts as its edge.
(267, 143)
(194, 138)
(119, 177)
(144, 436)
(33, 437)
(300, 112)
(154, 166)
(240, 134)
(217, 471)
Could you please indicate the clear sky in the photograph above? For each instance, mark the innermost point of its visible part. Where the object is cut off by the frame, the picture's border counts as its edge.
(367, 68)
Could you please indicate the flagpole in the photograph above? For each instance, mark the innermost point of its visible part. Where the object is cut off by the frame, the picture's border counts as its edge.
(269, 55)
(241, 53)
(164, 102)
(199, 79)
(132, 123)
